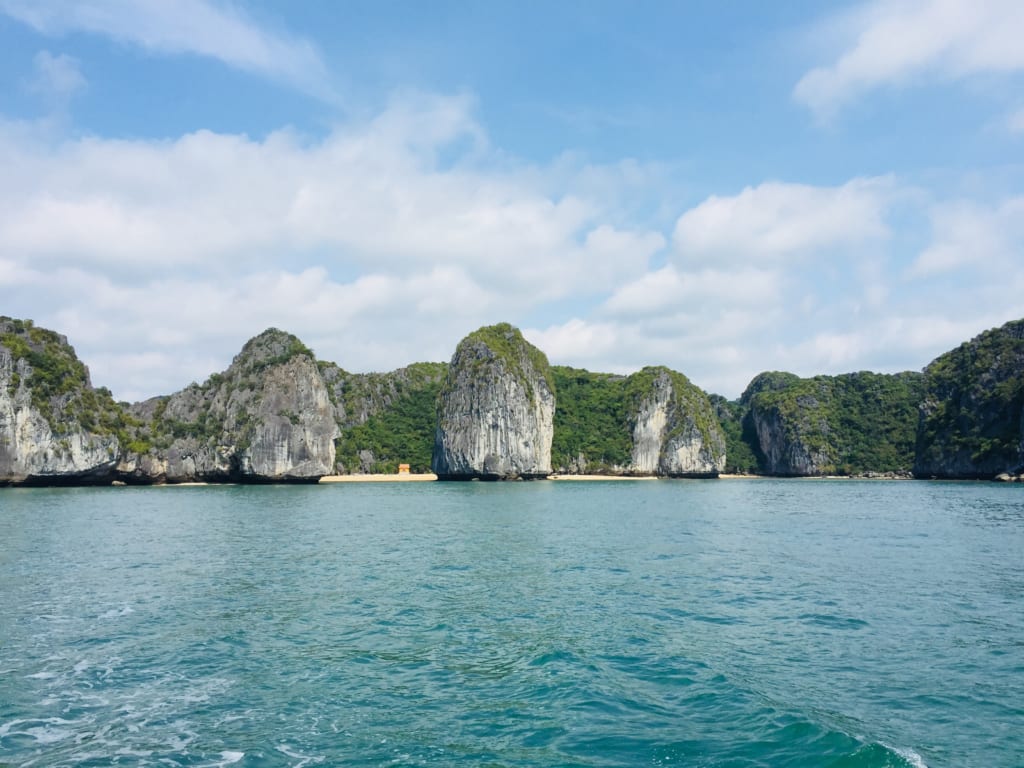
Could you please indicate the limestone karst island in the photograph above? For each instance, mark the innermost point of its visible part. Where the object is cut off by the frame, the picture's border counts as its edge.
(499, 410)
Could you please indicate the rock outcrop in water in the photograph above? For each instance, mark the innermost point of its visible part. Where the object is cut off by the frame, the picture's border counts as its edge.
(385, 419)
(972, 416)
(278, 415)
(496, 409)
(54, 427)
(848, 424)
(674, 429)
(654, 422)
(267, 418)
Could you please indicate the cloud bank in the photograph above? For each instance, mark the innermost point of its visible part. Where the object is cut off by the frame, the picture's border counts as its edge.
(389, 239)
(900, 42)
(199, 27)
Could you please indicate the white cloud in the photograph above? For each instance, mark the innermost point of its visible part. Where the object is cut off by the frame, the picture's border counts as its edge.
(780, 221)
(56, 76)
(966, 234)
(702, 291)
(895, 42)
(202, 27)
(195, 244)
(389, 239)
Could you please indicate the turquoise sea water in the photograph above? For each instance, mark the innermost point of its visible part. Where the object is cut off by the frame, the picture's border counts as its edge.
(668, 623)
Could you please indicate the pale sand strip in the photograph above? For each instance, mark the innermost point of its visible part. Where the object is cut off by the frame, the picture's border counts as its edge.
(600, 477)
(405, 478)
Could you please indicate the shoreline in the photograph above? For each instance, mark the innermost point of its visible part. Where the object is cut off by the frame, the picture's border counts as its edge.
(425, 477)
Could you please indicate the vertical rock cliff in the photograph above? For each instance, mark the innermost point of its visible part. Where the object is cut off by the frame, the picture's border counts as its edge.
(972, 416)
(495, 409)
(674, 428)
(54, 427)
(654, 422)
(267, 418)
(386, 419)
(825, 425)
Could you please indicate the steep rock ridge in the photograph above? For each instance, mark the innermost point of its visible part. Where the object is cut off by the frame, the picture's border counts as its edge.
(972, 416)
(385, 419)
(674, 429)
(825, 425)
(267, 418)
(495, 409)
(54, 427)
(592, 432)
(654, 422)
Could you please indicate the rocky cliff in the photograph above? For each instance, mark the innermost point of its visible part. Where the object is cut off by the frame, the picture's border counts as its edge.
(385, 419)
(267, 418)
(54, 427)
(654, 422)
(848, 424)
(972, 415)
(278, 415)
(674, 429)
(495, 409)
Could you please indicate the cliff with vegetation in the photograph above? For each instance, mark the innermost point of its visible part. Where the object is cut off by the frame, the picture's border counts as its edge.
(55, 428)
(267, 418)
(385, 419)
(972, 415)
(495, 409)
(851, 424)
(279, 415)
(654, 422)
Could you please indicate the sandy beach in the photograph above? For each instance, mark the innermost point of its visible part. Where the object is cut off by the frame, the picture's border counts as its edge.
(600, 477)
(403, 478)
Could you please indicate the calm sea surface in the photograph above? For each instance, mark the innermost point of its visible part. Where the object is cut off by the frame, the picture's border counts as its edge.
(676, 623)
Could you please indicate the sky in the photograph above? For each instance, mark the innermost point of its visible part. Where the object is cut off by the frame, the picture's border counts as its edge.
(722, 188)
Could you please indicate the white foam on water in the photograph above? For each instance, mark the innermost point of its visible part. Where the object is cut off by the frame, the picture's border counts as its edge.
(115, 613)
(45, 735)
(48, 731)
(227, 757)
(909, 755)
(42, 676)
(303, 759)
(81, 666)
(129, 752)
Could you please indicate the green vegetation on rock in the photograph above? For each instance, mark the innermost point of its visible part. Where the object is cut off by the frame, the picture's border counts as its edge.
(591, 421)
(862, 422)
(507, 344)
(687, 398)
(972, 421)
(58, 381)
(400, 410)
(742, 456)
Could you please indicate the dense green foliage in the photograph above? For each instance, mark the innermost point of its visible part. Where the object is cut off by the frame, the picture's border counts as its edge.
(508, 345)
(596, 414)
(400, 430)
(742, 456)
(863, 421)
(591, 420)
(59, 382)
(975, 404)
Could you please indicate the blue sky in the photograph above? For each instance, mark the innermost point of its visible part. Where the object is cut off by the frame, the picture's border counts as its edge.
(723, 188)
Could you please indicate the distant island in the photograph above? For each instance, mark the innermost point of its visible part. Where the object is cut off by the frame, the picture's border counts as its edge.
(499, 410)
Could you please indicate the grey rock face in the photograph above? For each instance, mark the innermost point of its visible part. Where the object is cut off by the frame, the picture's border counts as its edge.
(785, 450)
(44, 412)
(268, 418)
(675, 432)
(496, 409)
